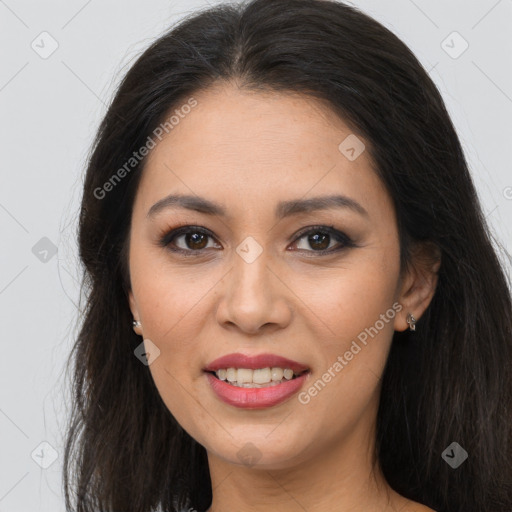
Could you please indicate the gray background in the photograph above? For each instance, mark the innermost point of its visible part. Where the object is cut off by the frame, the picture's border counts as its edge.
(50, 109)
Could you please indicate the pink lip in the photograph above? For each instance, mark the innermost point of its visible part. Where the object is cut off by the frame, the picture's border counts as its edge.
(255, 398)
(238, 360)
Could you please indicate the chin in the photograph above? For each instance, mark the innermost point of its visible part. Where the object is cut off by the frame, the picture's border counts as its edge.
(260, 451)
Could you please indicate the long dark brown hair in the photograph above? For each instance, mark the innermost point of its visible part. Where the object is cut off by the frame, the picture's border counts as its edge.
(451, 380)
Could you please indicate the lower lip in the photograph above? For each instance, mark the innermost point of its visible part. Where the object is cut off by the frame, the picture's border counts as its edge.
(255, 398)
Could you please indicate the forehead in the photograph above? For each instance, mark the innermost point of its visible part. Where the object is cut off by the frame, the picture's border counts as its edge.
(242, 121)
(261, 146)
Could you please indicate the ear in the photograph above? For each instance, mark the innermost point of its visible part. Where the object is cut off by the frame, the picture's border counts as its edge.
(134, 310)
(418, 284)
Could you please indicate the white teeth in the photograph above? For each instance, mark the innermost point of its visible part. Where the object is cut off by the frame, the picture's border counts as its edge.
(243, 375)
(277, 373)
(261, 377)
(231, 374)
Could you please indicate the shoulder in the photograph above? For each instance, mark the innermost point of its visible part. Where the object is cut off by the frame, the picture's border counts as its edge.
(405, 505)
(412, 506)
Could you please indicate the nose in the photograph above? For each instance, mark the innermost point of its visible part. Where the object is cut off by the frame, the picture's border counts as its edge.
(254, 297)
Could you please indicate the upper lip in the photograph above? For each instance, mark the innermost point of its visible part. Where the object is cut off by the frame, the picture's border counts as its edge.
(238, 360)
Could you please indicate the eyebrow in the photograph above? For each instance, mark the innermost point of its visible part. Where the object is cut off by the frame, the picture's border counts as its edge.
(283, 209)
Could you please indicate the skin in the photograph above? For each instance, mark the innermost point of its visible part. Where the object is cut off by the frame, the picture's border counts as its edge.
(248, 151)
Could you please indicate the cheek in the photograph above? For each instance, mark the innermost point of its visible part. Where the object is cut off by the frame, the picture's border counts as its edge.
(351, 298)
(175, 322)
(356, 306)
(170, 296)
(174, 312)
(172, 305)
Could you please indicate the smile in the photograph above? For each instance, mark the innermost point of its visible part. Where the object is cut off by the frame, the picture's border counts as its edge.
(255, 382)
(259, 378)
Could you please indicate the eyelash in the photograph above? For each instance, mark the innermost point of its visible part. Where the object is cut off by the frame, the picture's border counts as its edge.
(338, 236)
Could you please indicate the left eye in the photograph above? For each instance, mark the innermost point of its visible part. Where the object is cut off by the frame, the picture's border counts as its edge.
(320, 239)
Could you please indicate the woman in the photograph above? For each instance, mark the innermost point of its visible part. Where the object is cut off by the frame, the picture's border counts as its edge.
(293, 301)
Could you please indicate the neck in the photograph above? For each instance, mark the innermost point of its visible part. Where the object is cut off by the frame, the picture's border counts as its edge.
(343, 476)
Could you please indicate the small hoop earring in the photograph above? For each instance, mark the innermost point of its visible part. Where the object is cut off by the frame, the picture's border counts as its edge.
(136, 323)
(411, 321)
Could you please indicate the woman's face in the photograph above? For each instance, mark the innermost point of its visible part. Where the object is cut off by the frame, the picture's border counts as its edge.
(273, 274)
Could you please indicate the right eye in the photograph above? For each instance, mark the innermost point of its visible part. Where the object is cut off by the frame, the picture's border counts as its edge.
(189, 240)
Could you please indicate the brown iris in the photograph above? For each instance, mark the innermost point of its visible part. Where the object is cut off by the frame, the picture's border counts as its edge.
(319, 240)
(196, 240)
